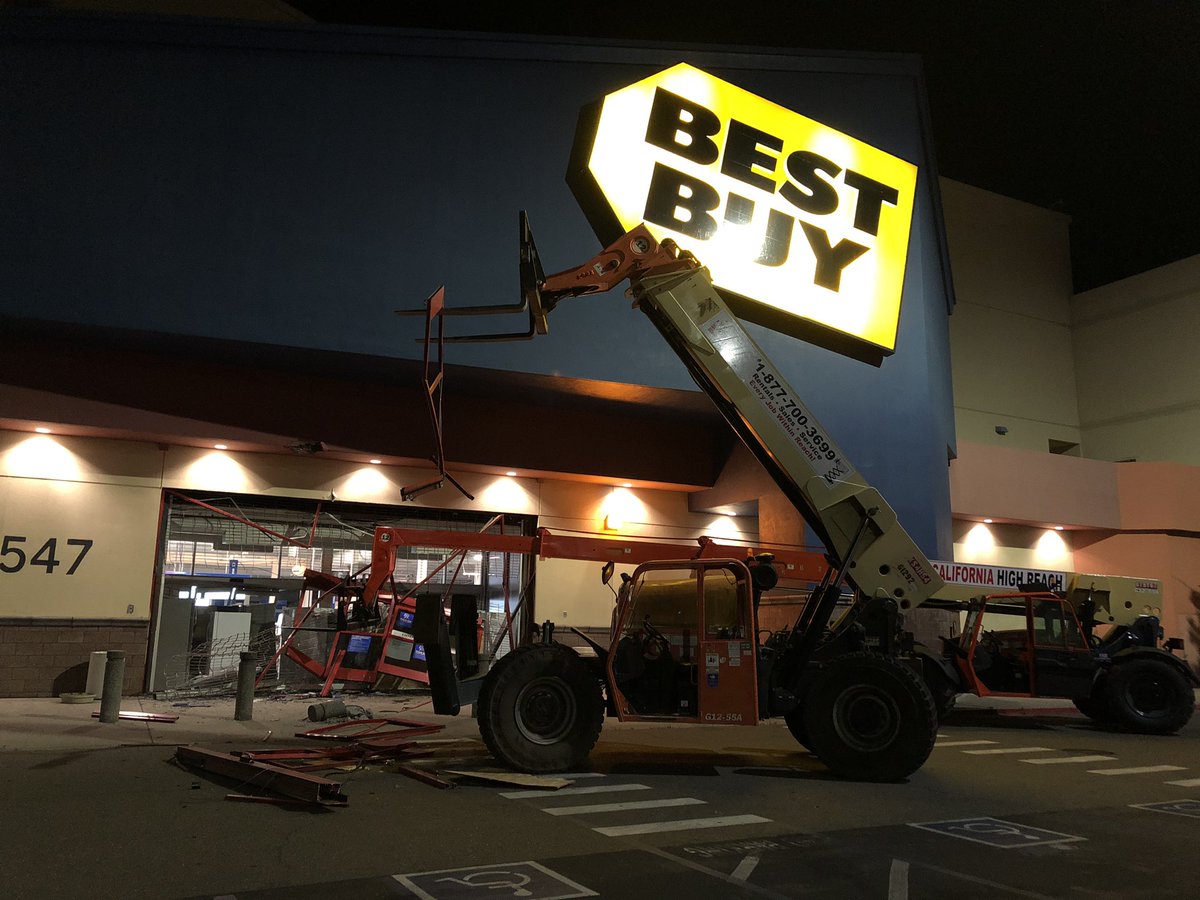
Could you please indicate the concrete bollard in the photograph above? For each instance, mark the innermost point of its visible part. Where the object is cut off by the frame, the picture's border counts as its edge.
(243, 709)
(114, 680)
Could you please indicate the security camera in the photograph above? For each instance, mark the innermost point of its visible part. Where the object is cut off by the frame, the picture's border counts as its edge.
(1001, 429)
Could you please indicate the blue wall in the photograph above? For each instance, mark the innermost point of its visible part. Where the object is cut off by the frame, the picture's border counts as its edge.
(295, 186)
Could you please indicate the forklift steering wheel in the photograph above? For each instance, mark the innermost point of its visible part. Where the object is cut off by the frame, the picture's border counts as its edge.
(656, 644)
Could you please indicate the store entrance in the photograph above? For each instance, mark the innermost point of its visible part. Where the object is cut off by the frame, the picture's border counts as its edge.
(232, 577)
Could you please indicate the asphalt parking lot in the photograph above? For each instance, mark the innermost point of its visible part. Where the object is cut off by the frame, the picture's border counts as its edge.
(1007, 806)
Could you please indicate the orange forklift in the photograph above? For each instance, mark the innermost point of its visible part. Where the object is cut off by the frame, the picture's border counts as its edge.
(1045, 645)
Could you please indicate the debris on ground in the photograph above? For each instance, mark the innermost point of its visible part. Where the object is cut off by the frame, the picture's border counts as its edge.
(284, 782)
(519, 779)
(135, 716)
(402, 746)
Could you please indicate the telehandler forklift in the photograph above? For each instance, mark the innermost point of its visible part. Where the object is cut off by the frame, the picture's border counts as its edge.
(684, 642)
(1043, 644)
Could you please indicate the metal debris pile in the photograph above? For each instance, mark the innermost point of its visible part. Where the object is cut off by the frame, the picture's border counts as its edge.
(287, 776)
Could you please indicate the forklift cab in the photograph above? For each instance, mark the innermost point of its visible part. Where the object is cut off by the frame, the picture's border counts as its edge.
(682, 644)
(1025, 645)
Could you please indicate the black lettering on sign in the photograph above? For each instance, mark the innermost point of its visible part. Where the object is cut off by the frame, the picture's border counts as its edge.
(672, 193)
(830, 260)
(777, 242)
(811, 193)
(743, 154)
(682, 127)
(871, 196)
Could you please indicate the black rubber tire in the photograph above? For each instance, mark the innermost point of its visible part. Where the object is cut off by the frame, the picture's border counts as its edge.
(1098, 706)
(541, 709)
(870, 718)
(795, 722)
(1149, 696)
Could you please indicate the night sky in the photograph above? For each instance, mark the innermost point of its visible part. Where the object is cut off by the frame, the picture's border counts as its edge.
(1088, 107)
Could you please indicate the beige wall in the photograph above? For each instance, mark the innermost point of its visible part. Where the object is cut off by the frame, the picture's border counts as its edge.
(74, 490)
(109, 491)
(1010, 332)
(1138, 366)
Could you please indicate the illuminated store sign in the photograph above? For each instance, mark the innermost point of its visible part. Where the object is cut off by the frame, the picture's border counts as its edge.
(805, 229)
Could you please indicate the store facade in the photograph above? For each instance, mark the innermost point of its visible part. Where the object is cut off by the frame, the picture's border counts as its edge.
(206, 248)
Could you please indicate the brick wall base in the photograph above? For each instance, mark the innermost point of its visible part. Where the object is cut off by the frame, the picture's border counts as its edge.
(49, 657)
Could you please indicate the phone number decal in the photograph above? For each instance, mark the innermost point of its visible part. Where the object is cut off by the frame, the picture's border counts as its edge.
(776, 397)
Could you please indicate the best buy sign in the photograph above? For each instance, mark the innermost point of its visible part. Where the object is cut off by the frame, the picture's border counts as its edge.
(804, 229)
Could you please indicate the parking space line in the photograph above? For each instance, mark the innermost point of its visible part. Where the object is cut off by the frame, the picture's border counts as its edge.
(960, 743)
(744, 868)
(999, 750)
(898, 880)
(679, 825)
(1186, 782)
(618, 807)
(1060, 760)
(576, 791)
(578, 775)
(1136, 770)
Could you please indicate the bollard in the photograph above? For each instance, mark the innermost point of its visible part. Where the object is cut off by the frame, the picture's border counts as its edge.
(114, 679)
(243, 709)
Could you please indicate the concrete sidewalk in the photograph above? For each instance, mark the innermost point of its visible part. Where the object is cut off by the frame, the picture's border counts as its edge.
(42, 723)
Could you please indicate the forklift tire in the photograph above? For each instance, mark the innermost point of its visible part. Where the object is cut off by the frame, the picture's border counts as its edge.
(795, 723)
(1097, 707)
(1148, 696)
(541, 709)
(870, 718)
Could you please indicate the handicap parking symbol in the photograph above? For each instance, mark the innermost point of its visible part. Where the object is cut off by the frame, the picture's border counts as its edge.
(1190, 808)
(528, 880)
(997, 832)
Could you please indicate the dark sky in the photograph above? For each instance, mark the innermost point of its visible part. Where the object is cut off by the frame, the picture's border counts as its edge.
(1089, 107)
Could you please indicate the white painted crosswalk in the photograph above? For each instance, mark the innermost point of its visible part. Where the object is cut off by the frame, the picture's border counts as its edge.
(576, 791)
(680, 825)
(552, 805)
(1048, 756)
(1136, 770)
(621, 807)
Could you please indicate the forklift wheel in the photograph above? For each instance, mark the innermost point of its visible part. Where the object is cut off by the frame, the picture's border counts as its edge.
(540, 709)
(870, 718)
(1149, 696)
(795, 723)
(1098, 707)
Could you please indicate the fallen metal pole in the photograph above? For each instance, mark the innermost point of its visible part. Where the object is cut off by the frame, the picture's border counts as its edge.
(289, 783)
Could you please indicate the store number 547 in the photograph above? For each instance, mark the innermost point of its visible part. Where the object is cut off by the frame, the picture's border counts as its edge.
(14, 555)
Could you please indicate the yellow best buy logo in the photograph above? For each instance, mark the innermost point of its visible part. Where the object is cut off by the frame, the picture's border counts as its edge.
(805, 229)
